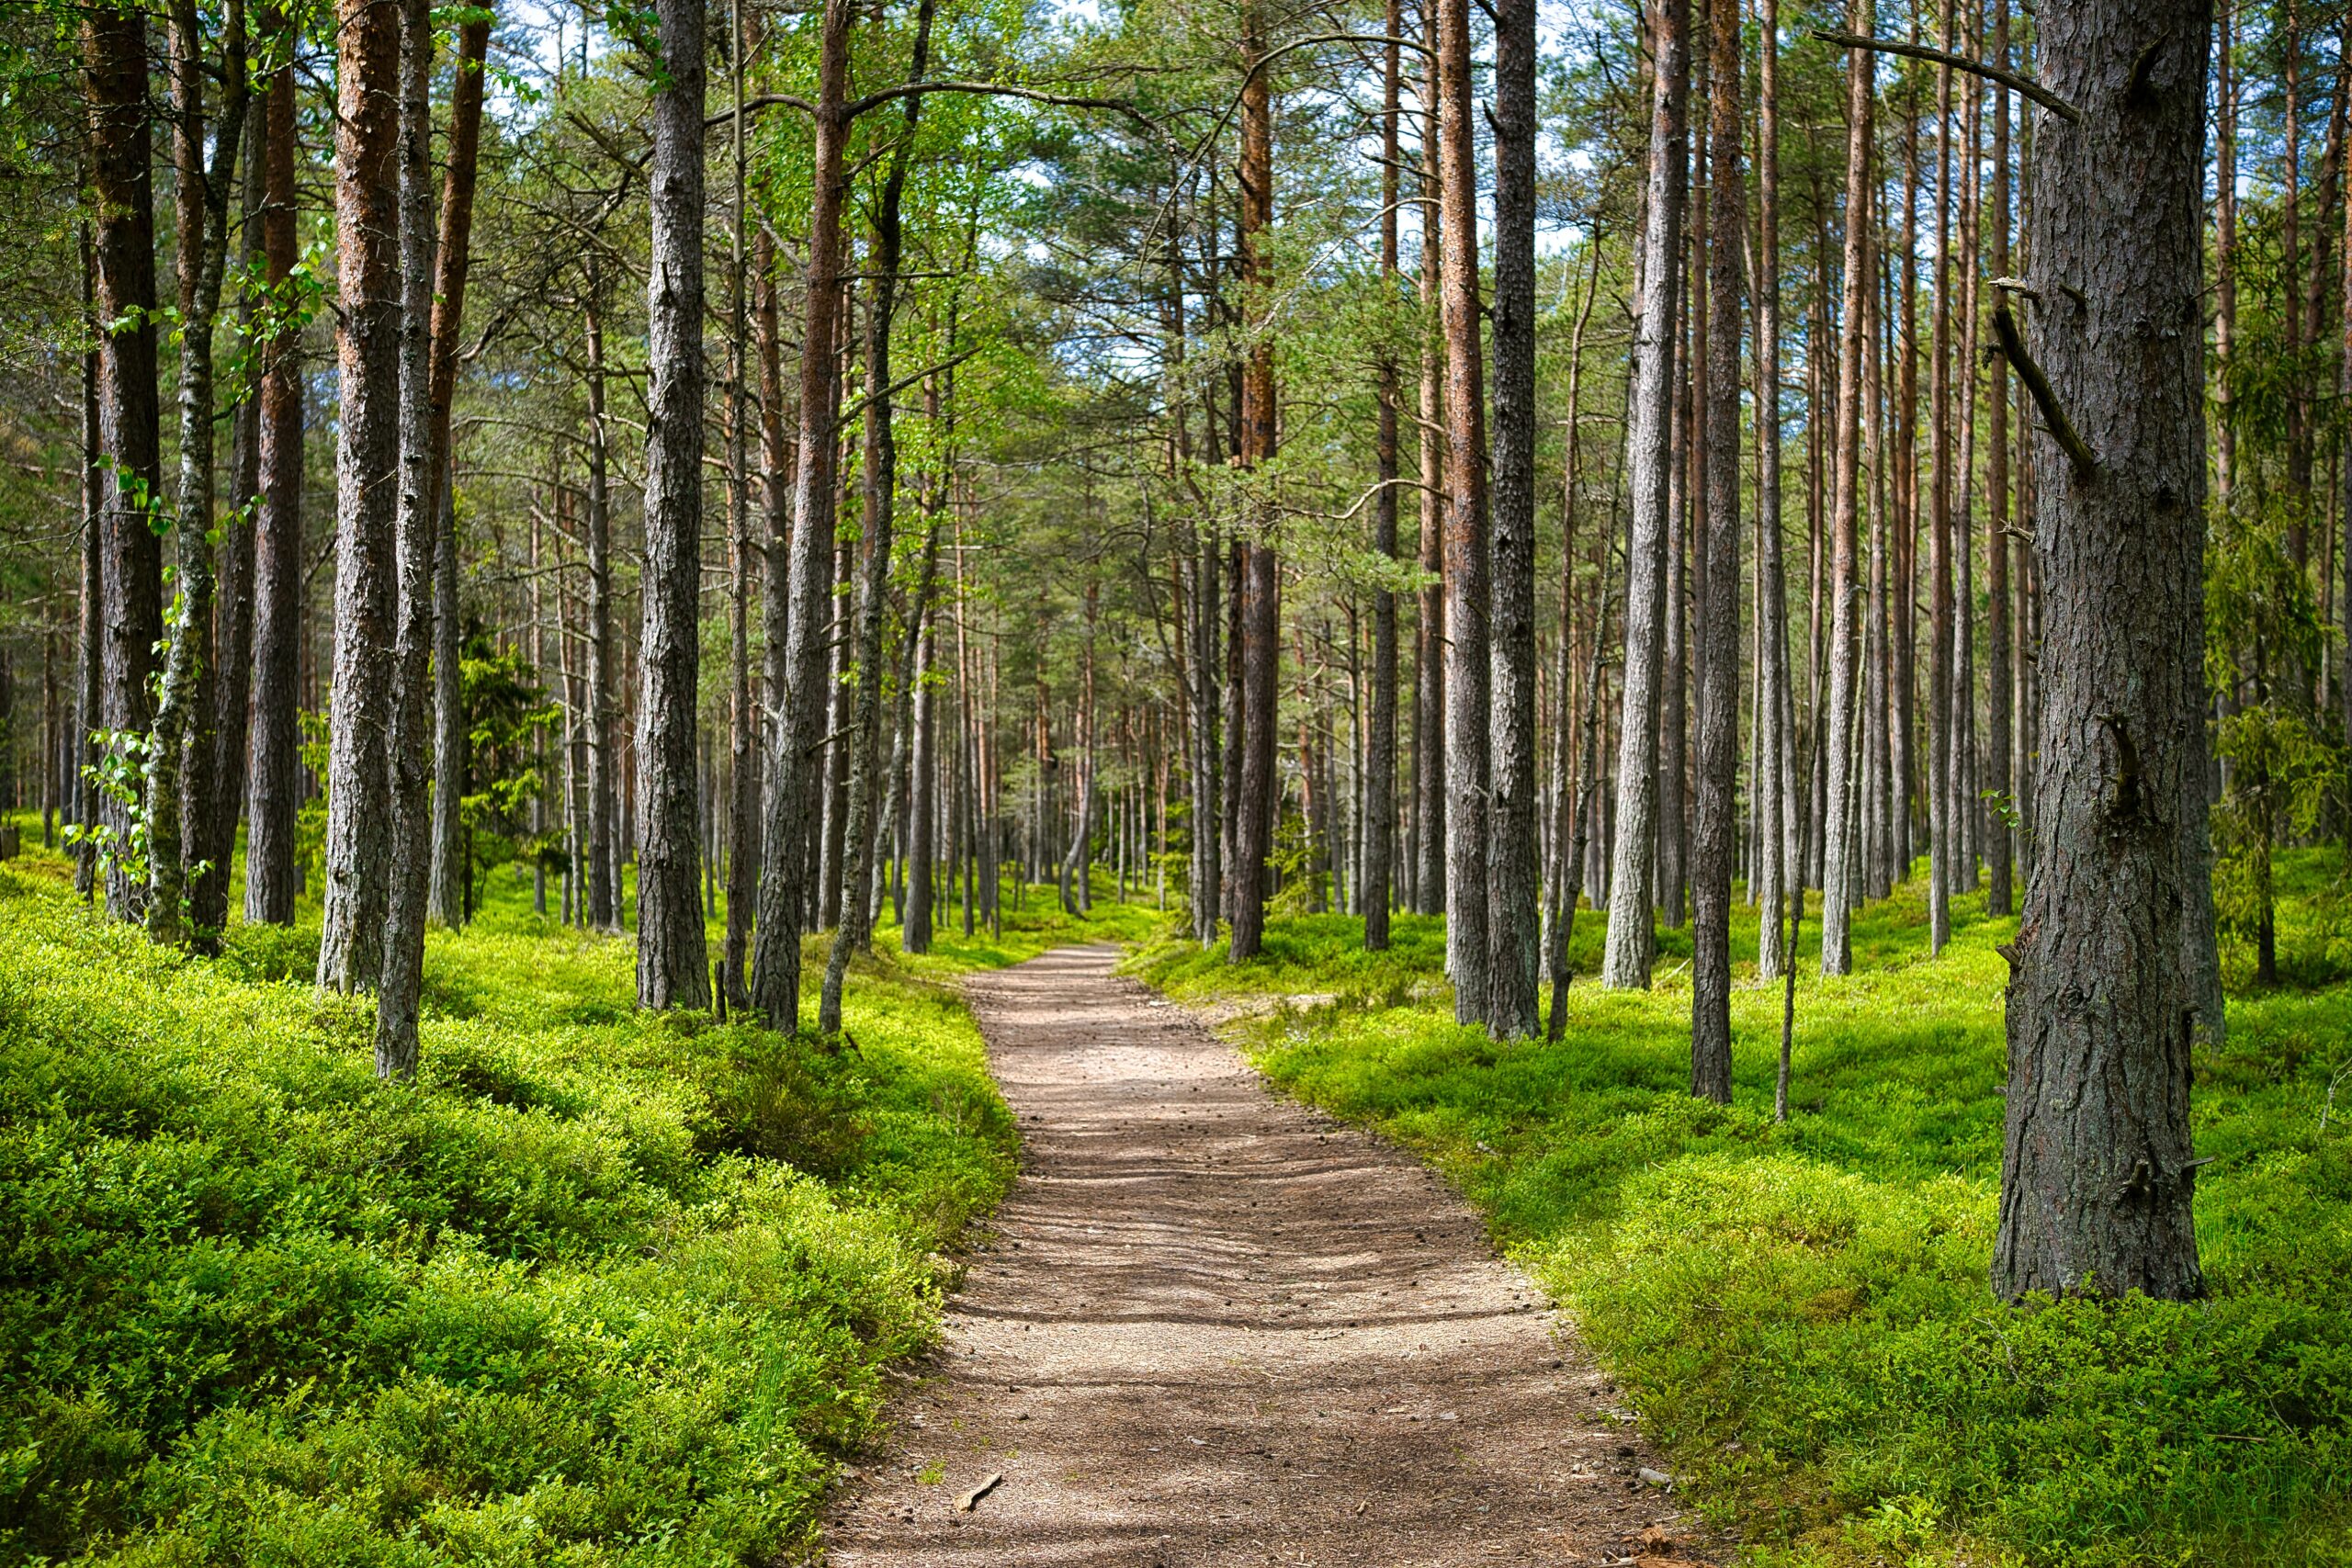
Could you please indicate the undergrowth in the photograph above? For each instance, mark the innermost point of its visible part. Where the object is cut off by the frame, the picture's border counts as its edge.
(600, 1288)
(1801, 1314)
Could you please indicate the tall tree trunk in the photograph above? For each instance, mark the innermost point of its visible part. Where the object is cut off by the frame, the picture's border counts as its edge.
(1716, 821)
(89, 715)
(271, 874)
(401, 985)
(1837, 850)
(604, 781)
(1513, 996)
(1429, 644)
(2225, 246)
(1999, 894)
(1943, 699)
(743, 740)
(1569, 824)
(1261, 575)
(358, 837)
(1777, 866)
(2098, 1179)
(1633, 941)
(784, 883)
(856, 932)
(673, 957)
(1380, 749)
(180, 783)
(232, 636)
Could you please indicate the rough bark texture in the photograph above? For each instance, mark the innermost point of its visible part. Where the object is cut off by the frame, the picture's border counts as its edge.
(270, 872)
(604, 804)
(1777, 864)
(743, 738)
(1260, 577)
(406, 764)
(1380, 743)
(784, 884)
(1715, 818)
(1837, 853)
(673, 956)
(358, 838)
(1467, 576)
(2097, 1178)
(1999, 894)
(1515, 926)
(1633, 940)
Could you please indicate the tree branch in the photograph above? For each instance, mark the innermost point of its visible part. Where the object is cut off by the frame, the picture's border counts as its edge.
(2005, 327)
(2010, 79)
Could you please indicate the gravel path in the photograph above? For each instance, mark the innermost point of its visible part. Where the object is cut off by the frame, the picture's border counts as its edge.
(1213, 1327)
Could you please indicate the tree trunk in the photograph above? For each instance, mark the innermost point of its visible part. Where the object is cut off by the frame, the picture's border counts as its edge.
(1715, 821)
(403, 982)
(2098, 1180)
(1839, 796)
(271, 874)
(358, 838)
(1777, 867)
(743, 740)
(673, 957)
(784, 884)
(1262, 576)
(1380, 748)
(1513, 997)
(1999, 894)
(1650, 443)
(1429, 650)
(604, 801)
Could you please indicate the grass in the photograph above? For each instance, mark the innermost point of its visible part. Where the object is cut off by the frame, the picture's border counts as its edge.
(1801, 1314)
(601, 1288)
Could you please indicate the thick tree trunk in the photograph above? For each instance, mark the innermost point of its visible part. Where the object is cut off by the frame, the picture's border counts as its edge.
(673, 956)
(1650, 444)
(1513, 997)
(1715, 821)
(1380, 747)
(784, 884)
(407, 802)
(1837, 867)
(271, 874)
(358, 837)
(2098, 1179)
(1261, 575)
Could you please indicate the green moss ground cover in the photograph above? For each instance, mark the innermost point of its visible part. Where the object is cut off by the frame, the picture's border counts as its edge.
(601, 1288)
(1800, 1313)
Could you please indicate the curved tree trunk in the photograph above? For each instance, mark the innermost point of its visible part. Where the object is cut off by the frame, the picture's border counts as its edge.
(672, 954)
(2097, 1181)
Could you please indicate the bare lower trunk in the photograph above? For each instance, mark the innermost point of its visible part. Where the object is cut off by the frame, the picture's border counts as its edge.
(604, 802)
(1380, 743)
(358, 838)
(1261, 598)
(1429, 685)
(2097, 1178)
(1776, 860)
(673, 955)
(1999, 894)
(1650, 447)
(1716, 821)
(1513, 995)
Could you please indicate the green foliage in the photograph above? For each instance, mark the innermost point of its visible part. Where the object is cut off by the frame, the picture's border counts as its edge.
(602, 1287)
(1801, 1314)
(507, 714)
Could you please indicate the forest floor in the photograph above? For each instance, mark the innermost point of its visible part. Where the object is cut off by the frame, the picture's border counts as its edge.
(1213, 1326)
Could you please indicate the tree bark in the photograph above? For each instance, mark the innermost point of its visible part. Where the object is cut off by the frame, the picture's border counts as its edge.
(2097, 1181)
(673, 956)
(358, 838)
(1777, 864)
(1513, 996)
(1999, 894)
(784, 884)
(1429, 652)
(744, 738)
(1380, 748)
(271, 874)
(1838, 736)
(1633, 941)
(604, 802)
(1715, 821)
(1262, 577)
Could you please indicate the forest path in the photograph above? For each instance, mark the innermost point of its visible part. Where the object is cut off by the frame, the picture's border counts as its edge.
(1213, 1326)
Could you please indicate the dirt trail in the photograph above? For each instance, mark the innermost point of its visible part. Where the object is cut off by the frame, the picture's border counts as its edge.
(1213, 1326)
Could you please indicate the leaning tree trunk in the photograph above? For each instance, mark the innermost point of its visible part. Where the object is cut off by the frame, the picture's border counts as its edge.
(1467, 609)
(1838, 873)
(1715, 821)
(1633, 940)
(358, 839)
(129, 435)
(784, 882)
(402, 984)
(673, 956)
(2097, 1178)
(1514, 918)
(271, 874)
